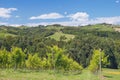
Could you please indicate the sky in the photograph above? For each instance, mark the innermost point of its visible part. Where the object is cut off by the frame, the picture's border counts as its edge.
(64, 12)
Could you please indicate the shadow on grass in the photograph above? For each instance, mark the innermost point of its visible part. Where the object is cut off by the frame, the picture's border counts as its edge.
(108, 76)
(71, 73)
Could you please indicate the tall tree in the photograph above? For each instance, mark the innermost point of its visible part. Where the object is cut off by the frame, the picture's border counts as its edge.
(98, 59)
(18, 57)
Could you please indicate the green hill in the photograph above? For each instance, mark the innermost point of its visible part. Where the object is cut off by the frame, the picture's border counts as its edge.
(79, 42)
(98, 27)
(4, 33)
(58, 35)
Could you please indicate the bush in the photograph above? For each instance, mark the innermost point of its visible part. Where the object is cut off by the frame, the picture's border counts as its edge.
(33, 62)
(95, 61)
(67, 64)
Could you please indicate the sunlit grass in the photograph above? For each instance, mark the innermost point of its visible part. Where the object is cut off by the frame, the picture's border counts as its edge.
(98, 27)
(10, 74)
(57, 36)
(3, 35)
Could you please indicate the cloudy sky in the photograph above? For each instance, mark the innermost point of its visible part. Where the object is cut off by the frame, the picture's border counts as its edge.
(65, 12)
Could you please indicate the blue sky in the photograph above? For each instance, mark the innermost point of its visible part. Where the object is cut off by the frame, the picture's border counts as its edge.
(65, 12)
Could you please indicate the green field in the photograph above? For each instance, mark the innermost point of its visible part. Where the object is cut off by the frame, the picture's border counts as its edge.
(4, 34)
(98, 27)
(57, 36)
(108, 74)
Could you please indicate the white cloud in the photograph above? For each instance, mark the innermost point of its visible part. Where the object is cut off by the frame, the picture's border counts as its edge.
(79, 16)
(3, 23)
(15, 25)
(6, 12)
(50, 23)
(7, 24)
(117, 1)
(109, 20)
(48, 16)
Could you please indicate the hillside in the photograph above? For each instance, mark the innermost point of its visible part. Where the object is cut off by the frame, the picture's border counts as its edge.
(78, 42)
(98, 27)
(58, 35)
(4, 32)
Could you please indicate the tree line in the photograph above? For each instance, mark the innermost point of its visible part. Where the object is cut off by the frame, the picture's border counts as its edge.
(55, 59)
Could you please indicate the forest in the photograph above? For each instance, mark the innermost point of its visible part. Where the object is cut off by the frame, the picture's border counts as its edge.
(58, 47)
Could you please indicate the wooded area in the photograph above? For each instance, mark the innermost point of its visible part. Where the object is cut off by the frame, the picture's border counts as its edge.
(25, 45)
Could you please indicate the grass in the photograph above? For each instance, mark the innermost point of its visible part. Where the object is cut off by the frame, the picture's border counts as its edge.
(111, 74)
(4, 33)
(57, 36)
(10, 74)
(98, 27)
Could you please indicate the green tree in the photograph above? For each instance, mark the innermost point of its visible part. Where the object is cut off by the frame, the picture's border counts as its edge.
(33, 62)
(5, 59)
(67, 64)
(60, 61)
(98, 58)
(45, 63)
(18, 57)
(62, 38)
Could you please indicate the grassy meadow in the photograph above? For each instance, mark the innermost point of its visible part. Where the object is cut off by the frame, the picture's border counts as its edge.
(98, 27)
(57, 36)
(10, 74)
(4, 34)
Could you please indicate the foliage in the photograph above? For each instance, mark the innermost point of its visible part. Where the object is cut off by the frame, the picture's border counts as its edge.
(78, 42)
(55, 59)
(33, 62)
(58, 35)
(18, 57)
(62, 62)
(5, 59)
(98, 59)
